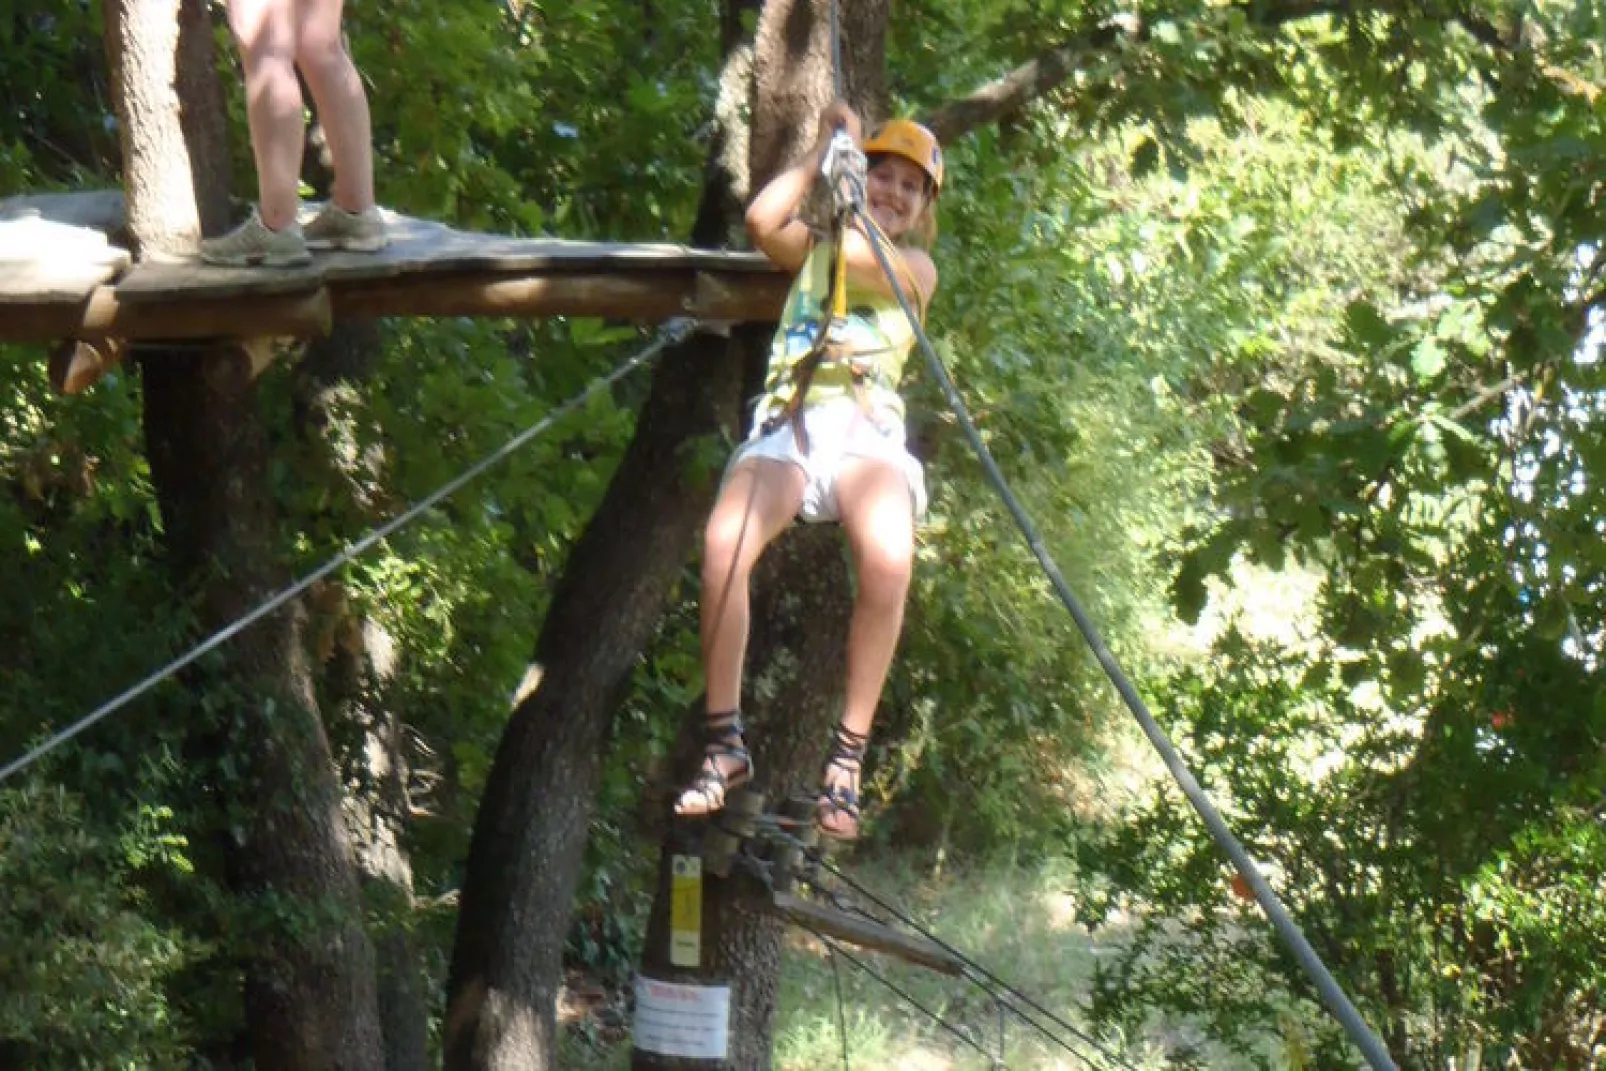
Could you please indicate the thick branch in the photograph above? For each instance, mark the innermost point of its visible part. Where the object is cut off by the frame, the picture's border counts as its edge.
(1488, 34)
(1026, 83)
(1037, 77)
(1041, 75)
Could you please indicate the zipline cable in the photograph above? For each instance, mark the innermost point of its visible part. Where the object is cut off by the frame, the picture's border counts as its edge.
(671, 333)
(981, 976)
(837, 89)
(1332, 994)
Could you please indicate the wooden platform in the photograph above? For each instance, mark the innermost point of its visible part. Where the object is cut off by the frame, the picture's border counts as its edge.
(63, 275)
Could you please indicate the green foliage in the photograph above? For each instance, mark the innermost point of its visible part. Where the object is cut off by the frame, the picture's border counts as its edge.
(1427, 860)
(1305, 293)
(57, 95)
(1109, 342)
(84, 960)
(504, 119)
(1424, 454)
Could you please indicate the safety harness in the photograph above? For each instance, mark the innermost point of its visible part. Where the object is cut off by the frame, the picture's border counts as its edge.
(845, 166)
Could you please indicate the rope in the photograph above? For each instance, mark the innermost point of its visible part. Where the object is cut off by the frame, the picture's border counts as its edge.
(904, 995)
(978, 975)
(836, 53)
(671, 333)
(1338, 1003)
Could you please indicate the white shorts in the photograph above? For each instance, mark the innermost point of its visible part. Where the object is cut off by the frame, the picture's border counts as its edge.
(836, 431)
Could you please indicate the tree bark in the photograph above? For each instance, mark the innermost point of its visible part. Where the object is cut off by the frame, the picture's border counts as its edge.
(802, 595)
(309, 991)
(795, 672)
(358, 660)
(525, 858)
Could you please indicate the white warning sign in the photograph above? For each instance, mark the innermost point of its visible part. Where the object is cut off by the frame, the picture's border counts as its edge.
(682, 1020)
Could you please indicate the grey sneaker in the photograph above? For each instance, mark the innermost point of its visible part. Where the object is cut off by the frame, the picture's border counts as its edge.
(357, 232)
(253, 243)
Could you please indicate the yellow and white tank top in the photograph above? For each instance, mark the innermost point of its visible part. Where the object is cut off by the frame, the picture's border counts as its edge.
(877, 333)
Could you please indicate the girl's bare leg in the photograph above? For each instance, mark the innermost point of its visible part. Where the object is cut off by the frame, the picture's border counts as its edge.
(877, 513)
(878, 516)
(758, 500)
(757, 503)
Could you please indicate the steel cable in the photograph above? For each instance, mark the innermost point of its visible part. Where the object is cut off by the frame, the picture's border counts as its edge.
(671, 333)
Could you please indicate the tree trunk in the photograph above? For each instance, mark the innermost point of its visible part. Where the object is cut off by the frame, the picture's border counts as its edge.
(377, 808)
(802, 596)
(309, 972)
(525, 858)
(795, 673)
(524, 862)
(358, 661)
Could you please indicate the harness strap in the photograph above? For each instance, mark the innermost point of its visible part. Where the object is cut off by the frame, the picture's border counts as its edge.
(827, 345)
(830, 346)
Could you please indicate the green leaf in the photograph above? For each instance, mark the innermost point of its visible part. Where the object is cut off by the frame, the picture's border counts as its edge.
(1427, 358)
(1366, 326)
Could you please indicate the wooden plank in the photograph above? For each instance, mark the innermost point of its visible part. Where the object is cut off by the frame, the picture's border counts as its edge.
(638, 297)
(61, 278)
(179, 282)
(424, 248)
(42, 260)
(863, 932)
(644, 297)
(104, 315)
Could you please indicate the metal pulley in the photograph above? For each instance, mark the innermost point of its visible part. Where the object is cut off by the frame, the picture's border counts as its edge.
(844, 167)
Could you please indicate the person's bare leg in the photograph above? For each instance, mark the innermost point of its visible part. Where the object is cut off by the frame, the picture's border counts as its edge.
(337, 91)
(266, 33)
(756, 504)
(878, 516)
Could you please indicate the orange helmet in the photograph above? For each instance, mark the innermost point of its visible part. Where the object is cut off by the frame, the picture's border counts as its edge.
(913, 142)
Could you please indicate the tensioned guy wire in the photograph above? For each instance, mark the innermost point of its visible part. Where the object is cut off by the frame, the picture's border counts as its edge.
(672, 332)
(837, 948)
(984, 979)
(1333, 995)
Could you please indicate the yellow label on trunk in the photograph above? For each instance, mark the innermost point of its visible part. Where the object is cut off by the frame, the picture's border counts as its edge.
(686, 911)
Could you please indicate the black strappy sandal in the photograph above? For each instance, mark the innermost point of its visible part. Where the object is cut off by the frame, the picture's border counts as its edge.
(726, 765)
(838, 802)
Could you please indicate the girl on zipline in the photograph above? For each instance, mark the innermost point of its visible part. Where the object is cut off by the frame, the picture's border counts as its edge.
(827, 445)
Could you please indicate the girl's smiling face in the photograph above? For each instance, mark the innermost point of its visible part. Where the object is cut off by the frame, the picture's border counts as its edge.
(896, 189)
